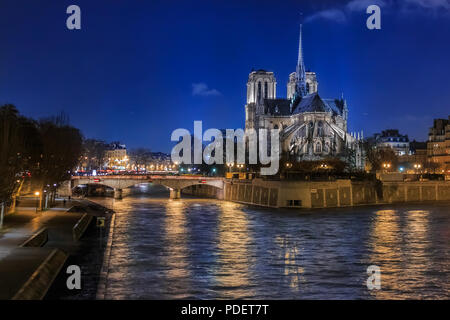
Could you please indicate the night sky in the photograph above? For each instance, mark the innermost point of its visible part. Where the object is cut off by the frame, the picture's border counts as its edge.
(137, 70)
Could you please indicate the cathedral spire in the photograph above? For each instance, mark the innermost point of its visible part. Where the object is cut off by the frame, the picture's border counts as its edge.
(300, 70)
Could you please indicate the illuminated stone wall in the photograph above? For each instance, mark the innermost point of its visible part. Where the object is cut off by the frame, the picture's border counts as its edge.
(329, 194)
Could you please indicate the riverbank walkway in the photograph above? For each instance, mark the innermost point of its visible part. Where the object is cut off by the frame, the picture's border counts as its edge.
(18, 264)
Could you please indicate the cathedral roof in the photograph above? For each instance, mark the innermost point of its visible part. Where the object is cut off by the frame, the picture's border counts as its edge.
(336, 105)
(277, 107)
(314, 103)
(309, 103)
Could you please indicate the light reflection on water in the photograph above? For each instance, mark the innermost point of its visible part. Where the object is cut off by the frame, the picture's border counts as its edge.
(234, 260)
(177, 253)
(208, 249)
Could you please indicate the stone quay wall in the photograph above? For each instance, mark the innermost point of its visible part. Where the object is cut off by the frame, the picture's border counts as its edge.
(329, 194)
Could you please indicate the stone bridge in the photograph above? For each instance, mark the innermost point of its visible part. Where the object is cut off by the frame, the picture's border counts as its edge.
(119, 182)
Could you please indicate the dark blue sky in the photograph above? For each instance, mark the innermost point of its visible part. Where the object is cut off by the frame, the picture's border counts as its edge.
(128, 74)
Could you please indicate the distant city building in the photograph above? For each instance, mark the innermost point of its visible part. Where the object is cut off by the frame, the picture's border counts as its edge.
(116, 157)
(439, 144)
(418, 152)
(311, 128)
(393, 139)
(416, 159)
(161, 162)
(161, 156)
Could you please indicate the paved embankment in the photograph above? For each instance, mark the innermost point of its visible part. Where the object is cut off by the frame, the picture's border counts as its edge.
(34, 246)
(88, 256)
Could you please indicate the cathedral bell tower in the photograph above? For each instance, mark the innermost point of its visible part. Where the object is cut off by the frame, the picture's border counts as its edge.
(261, 85)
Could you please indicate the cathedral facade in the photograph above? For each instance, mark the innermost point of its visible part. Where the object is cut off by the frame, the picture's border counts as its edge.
(310, 127)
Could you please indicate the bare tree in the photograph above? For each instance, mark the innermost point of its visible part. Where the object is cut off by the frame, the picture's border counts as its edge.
(19, 148)
(61, 150)
(140, 157)
(93, 153)
(378, 156)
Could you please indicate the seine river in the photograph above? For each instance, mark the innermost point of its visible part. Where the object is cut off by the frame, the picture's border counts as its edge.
(208, 249)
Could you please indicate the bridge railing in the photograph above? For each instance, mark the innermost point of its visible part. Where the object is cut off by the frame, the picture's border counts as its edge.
(144, 177)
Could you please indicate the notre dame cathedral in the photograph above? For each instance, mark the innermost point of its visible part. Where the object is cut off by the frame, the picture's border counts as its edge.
(311, 128)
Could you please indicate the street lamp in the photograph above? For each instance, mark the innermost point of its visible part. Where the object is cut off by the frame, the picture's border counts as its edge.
(288, 165)
(230, 165)
(37, 200)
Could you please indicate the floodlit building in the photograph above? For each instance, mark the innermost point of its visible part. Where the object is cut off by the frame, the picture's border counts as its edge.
(393, 139)
(416, 159)
(439, 144)
(311, 127)
(116, 157)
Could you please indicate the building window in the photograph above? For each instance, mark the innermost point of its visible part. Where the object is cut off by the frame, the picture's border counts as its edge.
(307, 87)
(266, 89)
(318, 147)
(259, 91)
(320, 129)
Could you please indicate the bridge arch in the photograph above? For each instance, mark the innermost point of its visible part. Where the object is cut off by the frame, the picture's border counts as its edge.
(174, 183)
(89, 188)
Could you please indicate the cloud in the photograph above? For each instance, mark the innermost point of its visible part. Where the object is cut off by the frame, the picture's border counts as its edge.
(341, 14)
(361, 5)
(429, 4)
(330, 14)
(201, 89)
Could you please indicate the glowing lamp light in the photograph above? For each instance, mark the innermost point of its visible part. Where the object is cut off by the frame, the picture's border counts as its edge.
(36, 193)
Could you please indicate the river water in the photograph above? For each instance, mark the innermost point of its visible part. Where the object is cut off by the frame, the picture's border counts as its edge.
(209, 249)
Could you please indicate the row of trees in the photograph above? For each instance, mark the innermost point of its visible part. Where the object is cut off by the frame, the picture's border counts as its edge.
(140, 158)
(45, 150)
(94, 155)
(377, 157)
